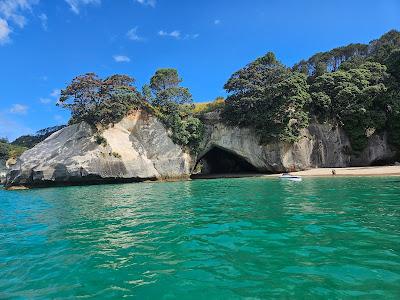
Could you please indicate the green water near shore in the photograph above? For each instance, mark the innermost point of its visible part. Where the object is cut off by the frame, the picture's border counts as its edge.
(254, 238)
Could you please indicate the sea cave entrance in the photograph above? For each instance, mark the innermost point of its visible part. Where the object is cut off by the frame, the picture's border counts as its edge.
(218, 162)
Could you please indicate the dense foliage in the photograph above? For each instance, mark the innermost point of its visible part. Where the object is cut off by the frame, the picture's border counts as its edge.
(269, 97)
(100, 101)
(107, 101)
(354, 98)
(8, 150)
(203, 108)
(356, 87)
(174, 105)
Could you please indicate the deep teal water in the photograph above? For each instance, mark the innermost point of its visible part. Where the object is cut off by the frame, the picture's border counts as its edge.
(254, 238)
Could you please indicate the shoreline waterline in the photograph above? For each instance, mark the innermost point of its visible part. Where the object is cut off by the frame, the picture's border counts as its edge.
(371, 171)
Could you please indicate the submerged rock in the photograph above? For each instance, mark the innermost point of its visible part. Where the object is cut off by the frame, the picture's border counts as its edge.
(135, 149)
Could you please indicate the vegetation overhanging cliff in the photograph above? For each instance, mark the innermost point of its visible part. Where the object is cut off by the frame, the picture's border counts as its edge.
(355, 88)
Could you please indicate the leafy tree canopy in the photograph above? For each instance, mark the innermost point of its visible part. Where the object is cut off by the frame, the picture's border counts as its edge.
(174, 105)
(350, 56)
(356, 87)
(355, 98)
(100, 101)
(164, 90)
(269, 97)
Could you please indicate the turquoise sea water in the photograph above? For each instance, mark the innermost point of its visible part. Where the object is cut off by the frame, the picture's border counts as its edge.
(251, 238)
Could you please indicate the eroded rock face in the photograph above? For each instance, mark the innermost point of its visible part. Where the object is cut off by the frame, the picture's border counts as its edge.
(320, 145)
(3, 170)
(138, 148)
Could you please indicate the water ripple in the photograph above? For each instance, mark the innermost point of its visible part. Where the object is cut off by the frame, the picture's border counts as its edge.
(249, 238)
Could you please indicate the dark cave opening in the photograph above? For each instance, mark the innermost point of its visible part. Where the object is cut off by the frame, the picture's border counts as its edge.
(219, 161)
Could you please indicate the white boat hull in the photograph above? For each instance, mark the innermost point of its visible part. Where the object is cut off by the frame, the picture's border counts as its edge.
(291, 178)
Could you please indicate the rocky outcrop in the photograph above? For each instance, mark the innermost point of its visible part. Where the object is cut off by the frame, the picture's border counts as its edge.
(3, 170)
(135, 149)
(139, 148)
(320, 145)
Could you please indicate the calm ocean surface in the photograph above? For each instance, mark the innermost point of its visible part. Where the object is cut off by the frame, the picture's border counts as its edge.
(254, 238)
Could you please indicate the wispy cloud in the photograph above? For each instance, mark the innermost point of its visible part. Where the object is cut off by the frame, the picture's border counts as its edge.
(12, 12)
(191, 36)
(45, 100)
(19, 109)
(4, 32)
(55, 93)
(52, 98)
(174, 34)
(133, 35)
(217, 22)
(121, 58)
(43, 19)
(151, 3)
(75, 5)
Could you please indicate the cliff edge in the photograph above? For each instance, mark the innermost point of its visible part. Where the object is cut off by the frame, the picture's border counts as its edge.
(137, 148)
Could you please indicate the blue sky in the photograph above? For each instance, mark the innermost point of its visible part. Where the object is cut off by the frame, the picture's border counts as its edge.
(44, 44)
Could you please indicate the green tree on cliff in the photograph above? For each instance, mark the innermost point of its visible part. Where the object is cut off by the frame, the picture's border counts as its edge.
(174, 104)
(354, 98)
(96, 100)
(269, 97)
(166, 90)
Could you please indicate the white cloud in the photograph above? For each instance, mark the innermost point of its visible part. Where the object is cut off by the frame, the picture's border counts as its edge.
(12, 11)
(175, 34)
(4, 32)
(55, 93)
(76, 4)
(191, 36)
(19, 109)
(151, 3)
(217, 22)
(178, 35)
(133, 35)
(43, 19)
(121, 58)
(45, 100)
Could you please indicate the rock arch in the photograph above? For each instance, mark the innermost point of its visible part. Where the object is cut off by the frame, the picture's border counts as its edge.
(217, 160)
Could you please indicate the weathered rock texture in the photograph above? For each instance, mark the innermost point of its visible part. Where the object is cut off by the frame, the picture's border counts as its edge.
(3, 170)
(320, 145)
(138, 148)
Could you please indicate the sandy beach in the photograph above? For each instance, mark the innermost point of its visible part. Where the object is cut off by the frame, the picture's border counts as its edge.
(354, 171)
(317, 172)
